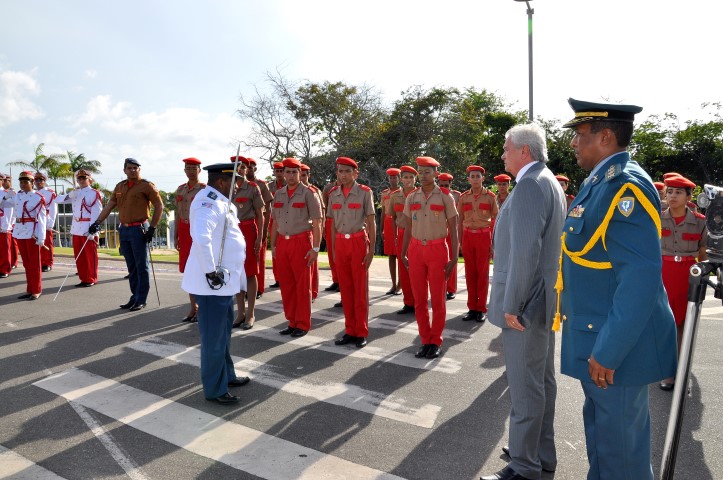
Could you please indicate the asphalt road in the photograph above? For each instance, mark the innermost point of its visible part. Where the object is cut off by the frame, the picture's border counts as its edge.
(88, 390)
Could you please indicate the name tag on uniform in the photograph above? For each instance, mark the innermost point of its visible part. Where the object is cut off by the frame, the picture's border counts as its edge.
(179, 198)
(278, 205)
(242, 199)
(336, 206)
(298, 205)
(399, 207)
(355, 206)
(467, 207)
(436, 209)
(415, 206)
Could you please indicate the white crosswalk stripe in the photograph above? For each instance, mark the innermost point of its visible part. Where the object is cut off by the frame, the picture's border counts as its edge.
(17, 467)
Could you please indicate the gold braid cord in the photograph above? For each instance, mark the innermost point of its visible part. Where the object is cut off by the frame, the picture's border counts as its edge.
(599, 234)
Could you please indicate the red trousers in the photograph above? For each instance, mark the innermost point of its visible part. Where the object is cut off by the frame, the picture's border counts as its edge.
(407, 295)
(353, 281)
(273, 260)
(426, 272)
(14, 253)
(315, 280)
(332, 263)
(476, 251)
(250, 232)
(452, 281)
(184, 243)
(294, 276)
(675, 281)
(30, 253)
(6, 246)
(46, 255)
(260, 280)
(87, 262)
(390, 231)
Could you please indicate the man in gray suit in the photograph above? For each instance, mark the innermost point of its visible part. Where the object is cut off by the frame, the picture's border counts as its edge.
(526, 243)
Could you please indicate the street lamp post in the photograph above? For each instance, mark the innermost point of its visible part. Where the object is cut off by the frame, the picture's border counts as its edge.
(530, 11)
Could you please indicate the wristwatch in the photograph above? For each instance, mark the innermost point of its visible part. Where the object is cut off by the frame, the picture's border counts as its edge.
(316, 249)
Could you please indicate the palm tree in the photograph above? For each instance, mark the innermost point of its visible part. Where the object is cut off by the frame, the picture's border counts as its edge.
(76, 162)
(40, 162)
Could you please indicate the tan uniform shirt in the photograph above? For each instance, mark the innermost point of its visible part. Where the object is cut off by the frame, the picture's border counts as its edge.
(396, 206)
(266, 194)
(456, 194)
(685, 239)
(349, 213)
(294, 215)
(247, 200)
(184, 197)
(477, 211)
(275, 187)
(386, 196)
(501, 200)
(429, 214)
(134, 203)
(319, 195)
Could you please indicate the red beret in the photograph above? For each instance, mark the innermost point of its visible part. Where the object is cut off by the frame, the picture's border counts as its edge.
(562, 178)
(427, 162)
(305, 167)
(193, 161)
(40, 175)
(659, 185)
(408, 169)
(503, 177)
(278, 165)
(678, 181)
(241, 159)
(251, 161)
(445, 177)
(291, 163)
(346, 161)
(670, 174)
(475, 168)
(393, 171)
(25, 174)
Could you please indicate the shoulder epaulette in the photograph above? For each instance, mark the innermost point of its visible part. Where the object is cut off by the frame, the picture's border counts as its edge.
(365, 188)
(262, 182)
(385, 190)
(491, 193)
(613, 171)
(414, 190)
(334, 188)
(313, 188)
(467, 192)
(181, 185)
(444, 190)
(698, 215)
(253, 184)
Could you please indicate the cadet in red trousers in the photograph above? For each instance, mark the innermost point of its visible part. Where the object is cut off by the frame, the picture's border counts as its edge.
(430, 216)
(6, 230)
(29, 231)
(503, 188)
(274, 187)
(445, 181)
(353, 228)
(389, 229)
(304, 178)
(565, 184)
(477, 211)
(396, 210)
(51, 208)
(250, 212)
(334, 287)
(184, 196)
(7, 186)
(295, 239)
(267, 198)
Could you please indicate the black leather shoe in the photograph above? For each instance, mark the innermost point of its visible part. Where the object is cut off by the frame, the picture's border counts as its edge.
(471, 315)
(338, 305)
(239, 382)
(666, 386)
(451, 295)
(130, 303)
(259, 295)
(422, 352)
(190, 319)
(4, 275)
(334, 287)
(298, 332)
(34, 297)
(405, 309)
(345, 339)
(506, 450)
(46, 268)
(287, 331)
(433, 351)
(481, 317)
(505, 474)
(25, 297)
(274, 285)
(127, 276)
(225, 399)
(361, 342)
(137, 306)
(84, 285)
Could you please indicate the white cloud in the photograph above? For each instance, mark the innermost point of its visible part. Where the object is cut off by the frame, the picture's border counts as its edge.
(16, 88)
(91, 74)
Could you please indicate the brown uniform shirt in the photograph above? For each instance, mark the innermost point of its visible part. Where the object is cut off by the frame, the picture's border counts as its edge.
(134, 203)
(247, 200)
(396, 206)
(685, 239)
(327, 190)
(184, 197)
(319, 195)
(501, 200)
(266, 194)
(477, 211)
(456, 194)
(386, 196)
(275, 187)
(349, 213)
(294, 215)
(429, 215)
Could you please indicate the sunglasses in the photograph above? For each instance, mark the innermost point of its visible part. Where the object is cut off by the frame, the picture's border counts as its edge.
(24, 180)
(82, 177)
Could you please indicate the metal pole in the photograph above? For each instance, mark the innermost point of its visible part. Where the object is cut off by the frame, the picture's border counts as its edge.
(530, 11)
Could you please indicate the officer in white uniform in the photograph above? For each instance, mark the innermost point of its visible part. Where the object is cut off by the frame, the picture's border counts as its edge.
(215, 291)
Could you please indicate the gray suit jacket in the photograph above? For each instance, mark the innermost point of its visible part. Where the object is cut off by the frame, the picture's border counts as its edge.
(526, 244)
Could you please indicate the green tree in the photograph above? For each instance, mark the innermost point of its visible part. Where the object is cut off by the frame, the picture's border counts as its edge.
(78, 161)
(41, 162)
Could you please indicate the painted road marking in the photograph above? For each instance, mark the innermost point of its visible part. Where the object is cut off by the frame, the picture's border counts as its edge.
(16, 467)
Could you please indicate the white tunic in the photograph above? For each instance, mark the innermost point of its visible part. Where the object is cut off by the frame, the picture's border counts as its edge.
(50, 206)
(7, 214)
(87, 206)
(30, 213)
(208, 210)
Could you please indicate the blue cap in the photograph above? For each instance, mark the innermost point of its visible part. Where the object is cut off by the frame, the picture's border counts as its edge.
(586, 112)
(132, 161)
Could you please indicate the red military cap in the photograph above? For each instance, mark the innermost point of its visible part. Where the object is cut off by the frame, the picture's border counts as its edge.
(251, 161)
(305, 167)
(408, 169)
(193, 161)
(678, 181)
(445, 177)
(475, 168)
(392, 172)
(670, 174)
(278, 165)
(346, 161)
(25, 174)
(427, 162)
(503, 177)
(40, 175)
(562, 178)
(290, 163)
(241, 159)
(660, 186)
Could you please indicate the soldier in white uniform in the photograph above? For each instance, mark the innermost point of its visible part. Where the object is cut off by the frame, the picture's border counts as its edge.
(51, 207)
(6, 232)
(215, 291)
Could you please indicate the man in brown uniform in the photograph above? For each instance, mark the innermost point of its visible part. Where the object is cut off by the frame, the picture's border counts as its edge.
(396, 210)
(134, 198)
(477, 210)
(304, 178)
(184, 196)
(389, 229)
(295, 239)
(267, 197)
(250, 212)
(445, 181)
(430, 215)
(503, 187)
(353, 238)
(274, 187)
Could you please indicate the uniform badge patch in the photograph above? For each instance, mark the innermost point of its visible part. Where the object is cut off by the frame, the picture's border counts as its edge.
(207, 204)
(577, 211)
(626, 205)
(212, 195)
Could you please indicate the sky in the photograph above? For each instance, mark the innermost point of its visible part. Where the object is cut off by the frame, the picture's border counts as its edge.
(160, 80)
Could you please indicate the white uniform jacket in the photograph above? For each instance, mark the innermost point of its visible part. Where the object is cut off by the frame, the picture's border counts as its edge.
(208, 210)
(7, 214)
(87, 206)
(50, 206)
(30, 213)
